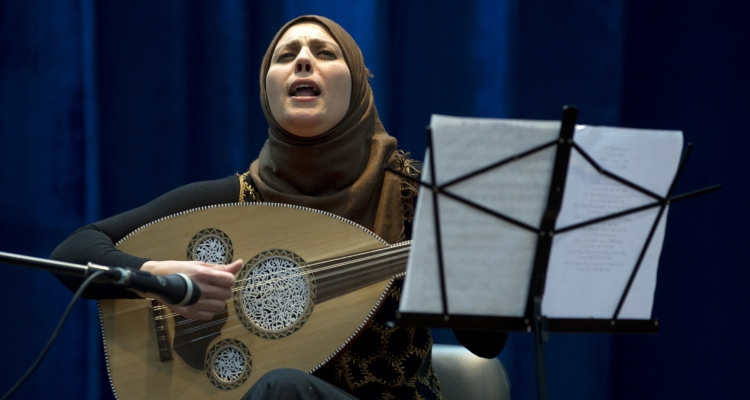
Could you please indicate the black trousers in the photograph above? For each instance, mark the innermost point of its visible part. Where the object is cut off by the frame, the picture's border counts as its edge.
(292, 384)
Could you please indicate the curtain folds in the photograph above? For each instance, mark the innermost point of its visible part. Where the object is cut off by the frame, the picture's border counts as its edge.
(105, 105)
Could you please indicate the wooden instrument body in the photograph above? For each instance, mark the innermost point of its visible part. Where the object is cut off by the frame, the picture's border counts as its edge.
(135, 368)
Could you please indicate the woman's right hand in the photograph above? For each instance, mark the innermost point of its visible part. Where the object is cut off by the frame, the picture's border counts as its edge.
(215, 282)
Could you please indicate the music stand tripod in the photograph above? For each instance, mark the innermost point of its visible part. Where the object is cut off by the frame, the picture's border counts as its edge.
(533, 319)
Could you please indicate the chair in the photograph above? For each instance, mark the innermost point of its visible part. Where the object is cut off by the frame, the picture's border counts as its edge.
(464, 376)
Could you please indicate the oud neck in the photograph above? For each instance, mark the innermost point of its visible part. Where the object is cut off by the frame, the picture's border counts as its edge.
(337, 276)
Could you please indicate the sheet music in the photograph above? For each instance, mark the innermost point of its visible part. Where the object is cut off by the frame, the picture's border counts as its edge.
(488, 261)
(589, 268)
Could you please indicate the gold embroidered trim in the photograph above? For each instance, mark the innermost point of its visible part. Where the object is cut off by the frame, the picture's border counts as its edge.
(248, 189)
(409, 189)
(345, 376)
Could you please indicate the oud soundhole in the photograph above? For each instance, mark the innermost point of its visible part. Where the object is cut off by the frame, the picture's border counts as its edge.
(274, 294)
(228, 364)
(211, 246)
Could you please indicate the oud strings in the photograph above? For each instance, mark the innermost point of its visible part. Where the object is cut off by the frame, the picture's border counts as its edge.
(359, 270)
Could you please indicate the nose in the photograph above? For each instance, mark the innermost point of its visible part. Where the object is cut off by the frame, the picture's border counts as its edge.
(303, 63)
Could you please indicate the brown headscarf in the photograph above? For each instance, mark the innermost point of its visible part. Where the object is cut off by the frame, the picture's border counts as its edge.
(339, 171)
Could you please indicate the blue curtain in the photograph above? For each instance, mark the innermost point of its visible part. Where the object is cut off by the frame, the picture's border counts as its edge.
(106, 105)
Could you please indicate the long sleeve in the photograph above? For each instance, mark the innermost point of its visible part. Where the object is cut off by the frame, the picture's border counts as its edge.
(96, 242)
(486, 344)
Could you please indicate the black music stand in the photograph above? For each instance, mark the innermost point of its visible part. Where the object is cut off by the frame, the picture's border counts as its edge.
(533, 320)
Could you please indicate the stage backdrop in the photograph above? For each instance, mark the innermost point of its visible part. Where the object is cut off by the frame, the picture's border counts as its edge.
(106, 105)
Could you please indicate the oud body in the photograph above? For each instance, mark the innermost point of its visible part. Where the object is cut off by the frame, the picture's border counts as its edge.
(336, 275)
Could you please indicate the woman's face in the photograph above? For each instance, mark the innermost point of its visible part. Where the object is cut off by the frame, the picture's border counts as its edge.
(308, 83)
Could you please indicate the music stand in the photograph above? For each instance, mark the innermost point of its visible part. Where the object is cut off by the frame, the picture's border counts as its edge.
(533, 320)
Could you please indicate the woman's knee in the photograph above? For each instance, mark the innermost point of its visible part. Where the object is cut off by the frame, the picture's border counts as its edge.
(283, 383)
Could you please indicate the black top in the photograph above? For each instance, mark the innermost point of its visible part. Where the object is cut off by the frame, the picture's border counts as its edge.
(96, 243)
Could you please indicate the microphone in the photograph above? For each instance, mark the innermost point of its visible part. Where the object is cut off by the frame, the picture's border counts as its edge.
(176, 289)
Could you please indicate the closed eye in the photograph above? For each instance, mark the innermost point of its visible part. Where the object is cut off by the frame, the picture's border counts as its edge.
(327, 54)
(287, 56)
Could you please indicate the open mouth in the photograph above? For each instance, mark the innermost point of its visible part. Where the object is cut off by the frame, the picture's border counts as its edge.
(304, 90)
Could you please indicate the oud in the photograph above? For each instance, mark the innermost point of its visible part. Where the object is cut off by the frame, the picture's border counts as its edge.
(312, 282)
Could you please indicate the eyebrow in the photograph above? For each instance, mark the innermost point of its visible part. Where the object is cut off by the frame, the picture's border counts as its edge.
(313, 41)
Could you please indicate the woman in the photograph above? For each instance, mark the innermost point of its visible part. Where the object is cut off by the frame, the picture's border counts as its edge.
(325, 150)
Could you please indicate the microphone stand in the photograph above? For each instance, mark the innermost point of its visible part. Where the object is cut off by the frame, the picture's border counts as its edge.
(58, 267)
(177, 289)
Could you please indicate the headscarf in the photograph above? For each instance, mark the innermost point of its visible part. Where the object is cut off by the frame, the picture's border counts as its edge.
(339, 171)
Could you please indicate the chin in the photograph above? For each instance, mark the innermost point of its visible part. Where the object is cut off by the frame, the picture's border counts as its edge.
(305, 128)
(309, 122)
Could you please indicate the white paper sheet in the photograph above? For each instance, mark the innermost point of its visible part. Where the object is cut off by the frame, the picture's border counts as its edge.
(589, 268)
(488, 261)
